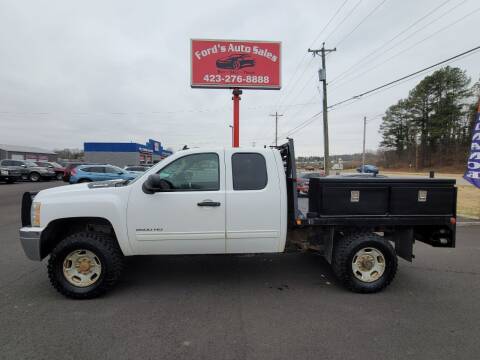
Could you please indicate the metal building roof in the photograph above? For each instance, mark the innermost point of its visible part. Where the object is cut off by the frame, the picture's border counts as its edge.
(25, 149)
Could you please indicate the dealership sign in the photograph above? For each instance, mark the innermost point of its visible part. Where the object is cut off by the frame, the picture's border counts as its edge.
(235, 64)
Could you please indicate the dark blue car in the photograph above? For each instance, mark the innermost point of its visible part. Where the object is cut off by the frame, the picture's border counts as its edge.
(368, 169)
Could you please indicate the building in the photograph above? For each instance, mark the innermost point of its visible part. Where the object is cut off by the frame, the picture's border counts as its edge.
(18, 152)
(123, 154)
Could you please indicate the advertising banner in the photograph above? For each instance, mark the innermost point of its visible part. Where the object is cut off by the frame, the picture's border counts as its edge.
(231, 64)
(472, 174)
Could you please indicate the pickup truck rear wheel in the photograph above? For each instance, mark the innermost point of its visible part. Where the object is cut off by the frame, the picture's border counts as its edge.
(364, 262)
(85, 265)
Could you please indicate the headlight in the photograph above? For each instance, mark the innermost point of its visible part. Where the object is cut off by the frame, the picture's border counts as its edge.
(4, 172)
(35, 214)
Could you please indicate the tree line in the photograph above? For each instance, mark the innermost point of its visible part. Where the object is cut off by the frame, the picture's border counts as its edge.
(433, 126)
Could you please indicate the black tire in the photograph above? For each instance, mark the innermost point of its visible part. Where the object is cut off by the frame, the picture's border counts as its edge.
(59, 176)
(107, 251)
(34, 176)
(347, 247)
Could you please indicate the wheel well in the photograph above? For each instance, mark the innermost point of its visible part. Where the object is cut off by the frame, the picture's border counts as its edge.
(59, 229)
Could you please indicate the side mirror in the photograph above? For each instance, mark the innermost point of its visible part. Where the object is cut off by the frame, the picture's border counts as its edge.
(155, 184)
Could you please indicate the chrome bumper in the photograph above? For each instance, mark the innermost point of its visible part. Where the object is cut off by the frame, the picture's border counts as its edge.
(30, 239)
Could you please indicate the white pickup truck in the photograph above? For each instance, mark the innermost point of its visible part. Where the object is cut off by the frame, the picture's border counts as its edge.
(230, 201)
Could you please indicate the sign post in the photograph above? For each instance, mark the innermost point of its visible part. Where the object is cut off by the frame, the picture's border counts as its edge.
(236, 117)
(235, 64)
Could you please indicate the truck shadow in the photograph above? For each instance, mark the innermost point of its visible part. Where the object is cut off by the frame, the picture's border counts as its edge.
(273, 271)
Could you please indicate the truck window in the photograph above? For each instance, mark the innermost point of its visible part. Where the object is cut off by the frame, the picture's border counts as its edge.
(193, 173)
(249, 171)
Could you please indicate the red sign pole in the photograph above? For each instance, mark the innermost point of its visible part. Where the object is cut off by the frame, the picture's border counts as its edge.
(236, 117)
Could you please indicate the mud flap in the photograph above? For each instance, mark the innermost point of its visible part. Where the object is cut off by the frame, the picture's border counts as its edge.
(403, 239)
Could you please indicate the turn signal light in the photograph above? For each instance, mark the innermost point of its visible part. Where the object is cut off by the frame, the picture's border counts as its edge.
(453, 220)
(35, 214)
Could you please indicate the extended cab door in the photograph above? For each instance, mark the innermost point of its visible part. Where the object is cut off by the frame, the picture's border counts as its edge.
(190, 219)
(256, 201)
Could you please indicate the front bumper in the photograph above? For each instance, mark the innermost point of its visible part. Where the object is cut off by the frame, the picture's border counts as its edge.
(14, 177)
(30, 237)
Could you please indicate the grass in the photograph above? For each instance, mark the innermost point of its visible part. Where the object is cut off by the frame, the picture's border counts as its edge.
(468, 202)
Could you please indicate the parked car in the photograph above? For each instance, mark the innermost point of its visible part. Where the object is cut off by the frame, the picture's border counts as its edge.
(57, 168)
(89, 173)
(303, 181)
(235, 62)
(30, 170)
(136, 169)
(68, 168)
(369, 169)
(10, 174)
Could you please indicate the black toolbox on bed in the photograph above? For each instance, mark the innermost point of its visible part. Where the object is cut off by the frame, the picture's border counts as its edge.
(381, 197)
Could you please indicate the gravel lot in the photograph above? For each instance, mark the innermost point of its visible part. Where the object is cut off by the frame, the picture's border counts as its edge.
(241, 307)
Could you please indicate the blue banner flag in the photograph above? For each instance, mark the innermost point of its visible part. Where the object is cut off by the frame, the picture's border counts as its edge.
(472, 174)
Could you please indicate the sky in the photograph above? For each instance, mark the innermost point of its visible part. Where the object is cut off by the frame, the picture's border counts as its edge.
(119, 71)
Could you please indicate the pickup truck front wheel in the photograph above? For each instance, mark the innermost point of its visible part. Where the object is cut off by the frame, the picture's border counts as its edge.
(85, 265)
(364, 262)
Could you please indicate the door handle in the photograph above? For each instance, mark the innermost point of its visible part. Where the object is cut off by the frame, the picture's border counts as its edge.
(208, 203)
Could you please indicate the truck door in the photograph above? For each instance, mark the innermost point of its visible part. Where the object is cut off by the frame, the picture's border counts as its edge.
(254, 208)
(189, 219)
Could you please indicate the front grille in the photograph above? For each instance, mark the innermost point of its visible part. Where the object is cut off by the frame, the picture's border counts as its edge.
(27, 200)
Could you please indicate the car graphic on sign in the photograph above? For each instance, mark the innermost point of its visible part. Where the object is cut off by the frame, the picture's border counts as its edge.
(235, 62)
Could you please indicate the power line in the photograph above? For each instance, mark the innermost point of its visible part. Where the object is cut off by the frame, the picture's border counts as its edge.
(371, 92)
(361, 22)
(412, 46)
(343, 20)
(389, 41)
(305, 55)
(406, 76)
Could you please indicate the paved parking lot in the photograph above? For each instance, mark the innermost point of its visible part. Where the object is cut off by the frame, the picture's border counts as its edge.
(241, 307)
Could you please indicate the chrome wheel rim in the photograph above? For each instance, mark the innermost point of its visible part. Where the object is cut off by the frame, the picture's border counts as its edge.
(368, 264)
(82, 268)
(34, 177)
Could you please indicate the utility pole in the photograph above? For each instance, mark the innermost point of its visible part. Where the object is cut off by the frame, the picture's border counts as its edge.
(364, 134)
(322, 76)
(276, 126)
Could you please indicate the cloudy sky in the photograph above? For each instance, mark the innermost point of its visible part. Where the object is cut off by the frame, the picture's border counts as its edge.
(75, 71)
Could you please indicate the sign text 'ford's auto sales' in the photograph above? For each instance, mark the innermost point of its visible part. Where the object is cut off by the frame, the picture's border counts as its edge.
(235, 64)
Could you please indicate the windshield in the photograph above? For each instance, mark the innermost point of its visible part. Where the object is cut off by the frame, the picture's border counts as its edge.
(30, 163)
